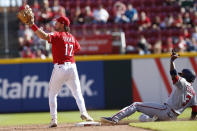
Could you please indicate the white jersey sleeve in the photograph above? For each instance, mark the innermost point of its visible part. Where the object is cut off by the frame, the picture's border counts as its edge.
(182, 96)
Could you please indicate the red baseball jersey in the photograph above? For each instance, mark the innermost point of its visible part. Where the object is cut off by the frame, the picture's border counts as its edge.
(64, 46)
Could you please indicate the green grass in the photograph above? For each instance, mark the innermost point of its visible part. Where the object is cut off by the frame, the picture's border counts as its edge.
(170, 125)
(44, 117)
(74, 116)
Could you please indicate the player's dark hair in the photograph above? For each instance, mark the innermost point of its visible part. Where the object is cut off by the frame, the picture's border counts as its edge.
(66, 28)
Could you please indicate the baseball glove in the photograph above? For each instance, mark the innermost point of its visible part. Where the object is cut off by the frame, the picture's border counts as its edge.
(26, 15)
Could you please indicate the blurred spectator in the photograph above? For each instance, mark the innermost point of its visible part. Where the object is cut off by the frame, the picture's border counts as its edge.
(25, 41)
(144, 21)
(46, 15)
(183, 11)
(157, 22)
(40, 54)
(27, 53)
(58, 10)
(48, 27)
(36, 6)
(157, 48)
(88, 17)
(194, 19)
(191, 45)
(62, 12)
(21, 38)
(38, 44)
(181, 45)
(21, 30)
(194, 46)
(79, 16)
(195, 7)
(28, 34)
(187, 21)
(194, 34)
(21, 45)
(143, 46)
(131, 13)
(100, 15)
(178, 21)
(56, 6)
(35, 9)
(45, 3)
(131, 49)
(186, 34)
(168, 22)
(163, 24)
(119, 10)
(168, 46)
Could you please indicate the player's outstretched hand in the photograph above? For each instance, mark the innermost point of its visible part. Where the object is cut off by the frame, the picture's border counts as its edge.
(26, 15)
(174, 55)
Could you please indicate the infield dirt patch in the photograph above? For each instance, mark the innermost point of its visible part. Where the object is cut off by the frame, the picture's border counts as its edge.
(71, 127)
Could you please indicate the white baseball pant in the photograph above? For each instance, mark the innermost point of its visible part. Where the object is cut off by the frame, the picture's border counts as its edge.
(65, 73)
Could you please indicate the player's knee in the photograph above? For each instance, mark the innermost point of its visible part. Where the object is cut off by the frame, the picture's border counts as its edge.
(52, 92)
(144, 118)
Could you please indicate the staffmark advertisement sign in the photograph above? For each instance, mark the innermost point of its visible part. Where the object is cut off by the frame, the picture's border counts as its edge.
(22, 89)
(32, 88)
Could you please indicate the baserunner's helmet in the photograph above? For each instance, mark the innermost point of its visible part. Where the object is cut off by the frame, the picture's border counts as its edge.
(188, 74)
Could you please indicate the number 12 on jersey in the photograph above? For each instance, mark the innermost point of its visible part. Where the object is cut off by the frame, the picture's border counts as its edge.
(69, 50)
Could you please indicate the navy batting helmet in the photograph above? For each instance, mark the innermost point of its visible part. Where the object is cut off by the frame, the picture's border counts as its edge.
(188, 74)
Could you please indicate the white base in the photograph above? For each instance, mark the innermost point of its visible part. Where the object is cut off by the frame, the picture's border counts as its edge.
(88, 123)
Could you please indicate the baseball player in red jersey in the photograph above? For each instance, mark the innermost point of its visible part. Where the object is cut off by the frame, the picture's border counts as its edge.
(64, 46)
(182, 96)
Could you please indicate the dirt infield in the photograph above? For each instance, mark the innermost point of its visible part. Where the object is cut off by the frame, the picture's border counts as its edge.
(72, 127)
(121, 126)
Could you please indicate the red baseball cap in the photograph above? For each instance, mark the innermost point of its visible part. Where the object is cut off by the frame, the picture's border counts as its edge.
(63, 20)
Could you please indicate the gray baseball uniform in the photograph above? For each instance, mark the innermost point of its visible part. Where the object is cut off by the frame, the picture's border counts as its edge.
(182, 96)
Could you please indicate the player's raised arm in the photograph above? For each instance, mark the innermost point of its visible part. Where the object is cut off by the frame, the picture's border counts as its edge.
(173, 71)
(40, 33)
(26, 16)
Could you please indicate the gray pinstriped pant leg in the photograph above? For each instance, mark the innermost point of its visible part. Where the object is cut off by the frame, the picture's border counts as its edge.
(150, 109)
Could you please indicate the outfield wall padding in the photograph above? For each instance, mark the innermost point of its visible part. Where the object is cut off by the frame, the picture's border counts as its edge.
(108, 82)
(24, 86)
(117, 82)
